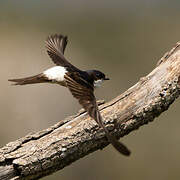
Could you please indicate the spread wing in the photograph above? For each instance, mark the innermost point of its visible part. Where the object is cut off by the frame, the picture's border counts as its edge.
(84, 93)
(87, 99)
(56, 45)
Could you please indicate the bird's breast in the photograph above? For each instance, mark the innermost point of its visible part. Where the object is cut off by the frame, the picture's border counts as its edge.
(55, 73)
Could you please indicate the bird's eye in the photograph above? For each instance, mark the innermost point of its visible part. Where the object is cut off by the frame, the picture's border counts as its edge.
(99, 75)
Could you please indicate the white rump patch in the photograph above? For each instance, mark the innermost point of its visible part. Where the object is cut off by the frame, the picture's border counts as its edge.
(98, 83)
(55, 73)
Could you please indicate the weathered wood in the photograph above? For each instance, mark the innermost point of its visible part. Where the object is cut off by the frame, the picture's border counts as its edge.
(47, 151)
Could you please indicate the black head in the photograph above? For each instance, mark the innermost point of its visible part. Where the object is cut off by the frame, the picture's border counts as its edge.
(97, 75)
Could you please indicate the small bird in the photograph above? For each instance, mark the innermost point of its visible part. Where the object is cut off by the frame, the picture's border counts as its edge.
(80, 83)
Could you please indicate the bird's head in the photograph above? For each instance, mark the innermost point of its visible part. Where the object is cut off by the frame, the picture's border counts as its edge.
(98, 77)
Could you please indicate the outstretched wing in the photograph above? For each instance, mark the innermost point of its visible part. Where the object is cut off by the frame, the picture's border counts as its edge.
(87, 99)
(84, 93)
(56, 45)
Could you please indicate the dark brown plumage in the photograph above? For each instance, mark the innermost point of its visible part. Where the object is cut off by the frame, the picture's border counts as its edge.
(87, 99)
(40, 78)
(56, 45)
(80, 83)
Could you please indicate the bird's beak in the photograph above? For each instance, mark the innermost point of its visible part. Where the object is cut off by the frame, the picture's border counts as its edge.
(106, 79)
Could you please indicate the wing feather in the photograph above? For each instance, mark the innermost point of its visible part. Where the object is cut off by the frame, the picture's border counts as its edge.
(56, 45)
(87, 99)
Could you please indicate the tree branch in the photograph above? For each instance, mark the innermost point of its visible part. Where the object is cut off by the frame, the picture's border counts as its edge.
(40, 154)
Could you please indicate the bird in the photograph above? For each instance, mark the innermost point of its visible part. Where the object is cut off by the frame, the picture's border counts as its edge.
(80, 83)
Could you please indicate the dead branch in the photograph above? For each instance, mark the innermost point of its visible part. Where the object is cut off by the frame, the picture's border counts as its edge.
(40, 154)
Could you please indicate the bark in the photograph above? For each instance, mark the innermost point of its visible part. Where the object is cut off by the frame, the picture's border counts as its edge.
(42, 153)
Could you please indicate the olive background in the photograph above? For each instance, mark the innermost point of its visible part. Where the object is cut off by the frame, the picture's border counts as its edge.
(124, 39)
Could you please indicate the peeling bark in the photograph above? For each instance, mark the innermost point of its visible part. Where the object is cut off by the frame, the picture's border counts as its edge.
(42, 153)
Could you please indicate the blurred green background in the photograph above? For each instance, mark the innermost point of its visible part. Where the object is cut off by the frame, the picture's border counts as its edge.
(124, 39)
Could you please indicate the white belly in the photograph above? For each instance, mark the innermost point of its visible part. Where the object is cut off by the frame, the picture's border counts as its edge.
(55, 73)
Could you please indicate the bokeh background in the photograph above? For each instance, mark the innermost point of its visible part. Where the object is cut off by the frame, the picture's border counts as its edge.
(122, 38)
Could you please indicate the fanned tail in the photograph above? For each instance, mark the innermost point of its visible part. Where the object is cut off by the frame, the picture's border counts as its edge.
(40, 78)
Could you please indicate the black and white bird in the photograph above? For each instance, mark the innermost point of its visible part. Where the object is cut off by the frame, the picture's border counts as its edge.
(80, 83)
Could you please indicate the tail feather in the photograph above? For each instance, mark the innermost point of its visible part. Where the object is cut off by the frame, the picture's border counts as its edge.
(40, 78)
